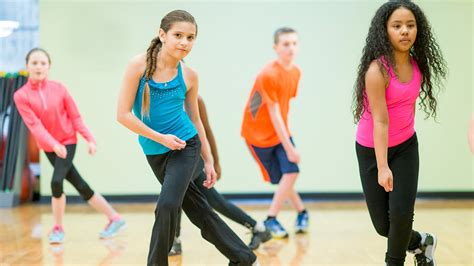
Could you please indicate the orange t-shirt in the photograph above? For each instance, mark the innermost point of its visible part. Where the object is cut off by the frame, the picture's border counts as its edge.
(274, 84)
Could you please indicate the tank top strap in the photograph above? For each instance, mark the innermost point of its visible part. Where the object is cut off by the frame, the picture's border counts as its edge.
(414, 65)
(144, 75)
(180, 72)
(181, 78)
(387, 66)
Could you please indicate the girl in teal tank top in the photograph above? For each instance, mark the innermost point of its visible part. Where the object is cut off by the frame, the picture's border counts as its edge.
(166, 118)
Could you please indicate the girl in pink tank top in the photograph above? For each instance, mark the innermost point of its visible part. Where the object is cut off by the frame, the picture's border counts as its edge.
(399, 63)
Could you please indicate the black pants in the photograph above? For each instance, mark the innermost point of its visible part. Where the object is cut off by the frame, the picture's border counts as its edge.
(392, 212)
(174, 171)
(64, 169)
(221, 205)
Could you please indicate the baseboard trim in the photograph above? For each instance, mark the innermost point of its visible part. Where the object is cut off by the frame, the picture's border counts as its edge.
(307, 196)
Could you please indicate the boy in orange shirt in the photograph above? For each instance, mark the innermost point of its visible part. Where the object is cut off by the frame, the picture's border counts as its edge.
(265, 129)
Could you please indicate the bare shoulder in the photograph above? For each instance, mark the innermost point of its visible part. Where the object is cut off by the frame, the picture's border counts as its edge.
(376, 73)
(138, 63)
(189, 73)
(190, 76)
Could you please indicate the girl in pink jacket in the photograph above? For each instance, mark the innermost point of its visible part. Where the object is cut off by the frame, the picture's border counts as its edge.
(51, 115)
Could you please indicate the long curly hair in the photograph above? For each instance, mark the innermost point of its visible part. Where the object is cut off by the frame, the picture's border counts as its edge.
(425, 51)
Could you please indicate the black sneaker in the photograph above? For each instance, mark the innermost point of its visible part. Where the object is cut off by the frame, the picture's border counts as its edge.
(176, 248)
(424, 255)
(259, 237)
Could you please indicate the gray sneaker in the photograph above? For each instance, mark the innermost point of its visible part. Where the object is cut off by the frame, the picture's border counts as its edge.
(176, 248)
(259, 237)
(424, 255)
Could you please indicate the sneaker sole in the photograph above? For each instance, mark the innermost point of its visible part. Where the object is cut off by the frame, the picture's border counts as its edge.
(433, 249)
(279, 237)
(301, 231)
(171, 254)
(123, 227)
(56, 242)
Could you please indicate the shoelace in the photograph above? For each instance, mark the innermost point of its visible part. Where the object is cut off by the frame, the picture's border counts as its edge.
(302, 221)
(280, 227)
(273, 223)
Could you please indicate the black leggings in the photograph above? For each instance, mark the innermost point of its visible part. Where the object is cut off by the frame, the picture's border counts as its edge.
(392, 212)
(221, 205)
(174, 171)
(64, 169)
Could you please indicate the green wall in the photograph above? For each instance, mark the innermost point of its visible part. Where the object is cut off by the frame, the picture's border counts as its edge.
(91, 42)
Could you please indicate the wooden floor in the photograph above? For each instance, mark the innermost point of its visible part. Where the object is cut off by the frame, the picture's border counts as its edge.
(340, 233)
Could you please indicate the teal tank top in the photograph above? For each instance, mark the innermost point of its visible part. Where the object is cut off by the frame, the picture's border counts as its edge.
(167, 113)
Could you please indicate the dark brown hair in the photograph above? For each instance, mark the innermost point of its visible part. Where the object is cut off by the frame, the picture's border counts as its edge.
(155, 46)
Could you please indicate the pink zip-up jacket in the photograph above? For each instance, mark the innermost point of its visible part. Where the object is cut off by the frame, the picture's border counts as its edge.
(50, 113)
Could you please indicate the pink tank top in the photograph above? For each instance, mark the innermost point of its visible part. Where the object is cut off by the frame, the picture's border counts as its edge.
(401, 100)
